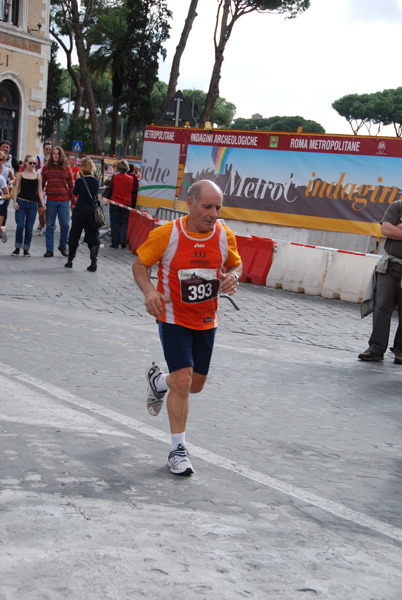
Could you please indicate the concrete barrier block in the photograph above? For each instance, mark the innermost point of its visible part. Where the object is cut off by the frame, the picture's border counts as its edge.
(298, 269)
(348, 275)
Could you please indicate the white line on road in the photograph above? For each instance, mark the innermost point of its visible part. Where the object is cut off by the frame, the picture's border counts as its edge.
(328, 506)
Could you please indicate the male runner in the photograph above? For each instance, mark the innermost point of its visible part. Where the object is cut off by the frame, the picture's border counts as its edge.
(192, 253)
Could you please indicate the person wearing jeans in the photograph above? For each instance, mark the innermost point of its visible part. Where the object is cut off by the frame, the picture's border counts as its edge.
(58, 184)
(27, 194)
(61, 210)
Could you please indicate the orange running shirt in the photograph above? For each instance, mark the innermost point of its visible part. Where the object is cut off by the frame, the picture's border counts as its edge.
(189, 264)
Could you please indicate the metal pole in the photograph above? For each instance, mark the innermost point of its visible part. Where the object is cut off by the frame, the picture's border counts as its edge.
(177, 118)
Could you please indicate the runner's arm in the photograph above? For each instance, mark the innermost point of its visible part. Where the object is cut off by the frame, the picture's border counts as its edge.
(154, 300)
(16, 190)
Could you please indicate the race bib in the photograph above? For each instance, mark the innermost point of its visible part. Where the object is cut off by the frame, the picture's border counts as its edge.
(198, 285)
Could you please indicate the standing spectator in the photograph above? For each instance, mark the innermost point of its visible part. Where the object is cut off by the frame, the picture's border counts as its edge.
(137, 172)
(57, 181)
(135, 186)
(123, 186)
(387, 290)
(41, 161)
(76, 171)
(7, 174)
(72, 163)
(4, 198)
(27, 193)
(83, 216)
(11, 161)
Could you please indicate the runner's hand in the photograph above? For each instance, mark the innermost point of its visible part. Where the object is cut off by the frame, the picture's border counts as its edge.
(228, 283)
(154, 302)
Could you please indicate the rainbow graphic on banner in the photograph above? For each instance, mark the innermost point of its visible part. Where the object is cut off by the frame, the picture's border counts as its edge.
(220, 157)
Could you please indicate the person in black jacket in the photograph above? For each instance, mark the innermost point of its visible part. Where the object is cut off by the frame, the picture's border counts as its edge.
(83, 217)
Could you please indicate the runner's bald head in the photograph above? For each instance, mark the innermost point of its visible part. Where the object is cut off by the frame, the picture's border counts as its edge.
(203, 187)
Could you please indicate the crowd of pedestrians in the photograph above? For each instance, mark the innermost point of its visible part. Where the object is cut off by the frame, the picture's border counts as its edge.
(54, 188)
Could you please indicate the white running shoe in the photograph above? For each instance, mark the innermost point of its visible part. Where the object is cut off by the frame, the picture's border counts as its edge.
(3, 235)
(178, 461)
(154, 398)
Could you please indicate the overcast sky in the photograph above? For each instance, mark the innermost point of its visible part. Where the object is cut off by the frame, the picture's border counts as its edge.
(293, 67)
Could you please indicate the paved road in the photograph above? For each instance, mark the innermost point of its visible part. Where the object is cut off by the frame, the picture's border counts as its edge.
(296, 446)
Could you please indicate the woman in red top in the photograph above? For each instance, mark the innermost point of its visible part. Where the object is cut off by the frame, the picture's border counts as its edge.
(123, 187)
(57, 182)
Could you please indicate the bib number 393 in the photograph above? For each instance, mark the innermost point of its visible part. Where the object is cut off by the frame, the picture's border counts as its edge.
(195, 289)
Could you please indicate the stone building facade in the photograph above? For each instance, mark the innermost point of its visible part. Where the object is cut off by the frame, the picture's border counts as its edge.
(24, 58)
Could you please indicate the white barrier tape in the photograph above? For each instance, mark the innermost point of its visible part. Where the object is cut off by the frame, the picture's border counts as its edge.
(325, 248)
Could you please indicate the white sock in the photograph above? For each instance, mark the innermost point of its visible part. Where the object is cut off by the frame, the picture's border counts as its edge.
(178, 438)
(160, 382)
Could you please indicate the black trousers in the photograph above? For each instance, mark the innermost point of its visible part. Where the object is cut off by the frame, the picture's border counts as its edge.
(83, 218)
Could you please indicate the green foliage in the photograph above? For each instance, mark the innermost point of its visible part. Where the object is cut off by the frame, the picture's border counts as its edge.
(109, 36)
(79, 130)
(354, 107)
(222, 113)
(290, 124)
(290, 7)
(125, 45)
(158, 99)
(380, 109)
(102, 89)
(149, 29)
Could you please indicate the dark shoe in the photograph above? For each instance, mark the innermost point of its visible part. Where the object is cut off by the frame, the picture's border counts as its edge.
(62, 251)
(69, 264)
(92, 267)
(48, 254)
(398, 360)
(26, 253)
(371, 356)
(111, 245)
(16, 252)
(123, 245)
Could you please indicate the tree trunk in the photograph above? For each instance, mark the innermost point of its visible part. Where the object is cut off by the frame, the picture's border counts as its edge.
(213, 91)
(174, 72)
(225, 31)
(85, 79)
(113, 134)
(102, 127)
(78, 100)
(127, 136)
(72, 73)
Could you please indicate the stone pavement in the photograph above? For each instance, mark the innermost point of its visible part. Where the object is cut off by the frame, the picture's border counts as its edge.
(296, 446)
